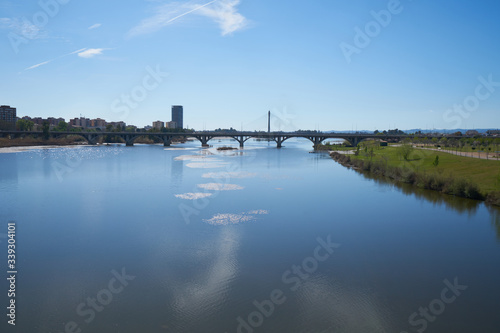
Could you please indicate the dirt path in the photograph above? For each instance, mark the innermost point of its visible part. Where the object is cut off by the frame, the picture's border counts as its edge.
(481, 155)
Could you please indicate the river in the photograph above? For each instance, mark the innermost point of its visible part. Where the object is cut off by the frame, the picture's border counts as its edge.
(185, 239)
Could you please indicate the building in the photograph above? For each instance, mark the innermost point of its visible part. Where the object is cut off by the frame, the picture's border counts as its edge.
(80, 122)
(54, 121)
(177, 115)
(121, 125)
(158, 125)
(471, 133)
(98, 123)
(493, 132)
(171, 124)
(8, 117)
(37, 121)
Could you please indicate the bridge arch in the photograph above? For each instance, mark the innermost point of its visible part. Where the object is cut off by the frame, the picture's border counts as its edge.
(56, 135)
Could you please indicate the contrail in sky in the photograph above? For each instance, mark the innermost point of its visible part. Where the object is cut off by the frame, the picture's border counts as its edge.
(48, 61)
(193, 10)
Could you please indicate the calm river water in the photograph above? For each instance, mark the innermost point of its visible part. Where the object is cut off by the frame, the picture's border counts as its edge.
(184, 239)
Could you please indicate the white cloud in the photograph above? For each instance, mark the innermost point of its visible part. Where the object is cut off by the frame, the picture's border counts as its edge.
(89, 53)
(23, 28)
(224, 12)
(95, 26)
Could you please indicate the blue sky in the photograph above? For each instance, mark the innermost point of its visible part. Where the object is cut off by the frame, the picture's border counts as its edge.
(321, 64)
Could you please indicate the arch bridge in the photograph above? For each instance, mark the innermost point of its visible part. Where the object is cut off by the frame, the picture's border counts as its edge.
(204, 137)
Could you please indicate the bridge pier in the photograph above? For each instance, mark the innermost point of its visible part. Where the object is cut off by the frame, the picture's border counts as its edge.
(129, 140)
(355, 141)
(91, 139)
(203, 139)
(167, 140)
(279, 141)
(317, 142)
(241, 141)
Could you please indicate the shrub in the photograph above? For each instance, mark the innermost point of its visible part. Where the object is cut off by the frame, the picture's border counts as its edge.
(493, 198)
(408, 176)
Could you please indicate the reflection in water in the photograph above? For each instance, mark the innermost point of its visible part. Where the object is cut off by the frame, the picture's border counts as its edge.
(193, 196)
(342, 309)
(227, 175)
(200, 299)
(176, 171)
(8, 189)
(458, 204)
(495, 219)
(47, 167)
(220, 187)
(8, 171)
(208, 165)
(226, 219)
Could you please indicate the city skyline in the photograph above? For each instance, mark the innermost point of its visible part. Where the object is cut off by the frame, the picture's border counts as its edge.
(354, 66)
(272, 119)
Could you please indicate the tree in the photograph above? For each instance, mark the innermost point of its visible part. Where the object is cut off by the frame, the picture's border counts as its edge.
(62, 126)
(444, 142)
(45, 130)
(406, 149)
(371, 153)
(24, 125)
(436, 161)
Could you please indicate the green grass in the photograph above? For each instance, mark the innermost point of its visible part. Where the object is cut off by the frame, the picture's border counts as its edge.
(484, 173)
(334, 147)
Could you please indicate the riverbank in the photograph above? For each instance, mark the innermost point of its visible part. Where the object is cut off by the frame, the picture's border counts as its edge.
(476, 179)
(69, 141)
(29, 141)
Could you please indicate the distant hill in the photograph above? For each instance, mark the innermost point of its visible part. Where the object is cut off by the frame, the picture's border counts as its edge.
(446, 131)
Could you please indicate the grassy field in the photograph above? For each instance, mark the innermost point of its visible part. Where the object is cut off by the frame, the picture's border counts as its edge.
(484, 173)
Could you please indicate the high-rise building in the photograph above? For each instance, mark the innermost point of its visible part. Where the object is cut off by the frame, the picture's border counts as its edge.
(7, 117)
(177, 115)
